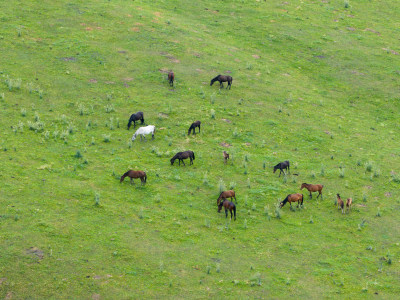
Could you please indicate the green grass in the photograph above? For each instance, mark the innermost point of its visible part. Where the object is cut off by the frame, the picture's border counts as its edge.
(315, 83)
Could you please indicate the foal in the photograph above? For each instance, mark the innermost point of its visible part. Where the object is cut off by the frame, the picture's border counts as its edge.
(221, 79)
(349, 202)
(171, 77)
(226, 157)
(193, 127)
(135, 174)
(282, 166)
(228, 205)
(340, 203)
(313, 188)
(292, 198)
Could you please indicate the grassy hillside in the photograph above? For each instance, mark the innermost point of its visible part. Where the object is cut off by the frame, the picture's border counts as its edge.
(315, 83)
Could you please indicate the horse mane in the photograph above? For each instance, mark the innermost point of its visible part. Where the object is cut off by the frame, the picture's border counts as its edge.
(126, 173)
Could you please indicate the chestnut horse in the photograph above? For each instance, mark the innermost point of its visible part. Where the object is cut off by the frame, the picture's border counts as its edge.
(226, 194)
(228, 205)
(340, 203)
(292, 198)
(349, 202)
(313, 188)
(171, 77)
(221, 79)
(193, 127)
(135, 174)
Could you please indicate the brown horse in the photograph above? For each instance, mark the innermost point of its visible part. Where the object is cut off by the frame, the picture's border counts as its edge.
(228, 205)
(171, 77)
(183, 155)
(226, 157)
(349, 202)
(340, 203)
(226, 194)
(221, 79)
(135, 174)
(193, 127)
(313, 188)
(292, 198)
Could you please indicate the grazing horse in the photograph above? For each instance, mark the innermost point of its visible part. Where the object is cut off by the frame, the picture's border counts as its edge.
(193, 127)
(221, 79)
(226, 157)
(226, 194)
(183, 155)
(135, 174)
(349, 202)
(171, 77)
(282, 166)
(313, 188)
(340, 203)
(228, 205)
(142, 131)
(136, 117)
(293, 198)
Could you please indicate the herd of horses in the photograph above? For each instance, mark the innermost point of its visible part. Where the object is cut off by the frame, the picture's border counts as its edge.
(222, 200)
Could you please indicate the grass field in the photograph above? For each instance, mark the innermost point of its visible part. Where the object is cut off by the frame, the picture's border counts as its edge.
(314, 82)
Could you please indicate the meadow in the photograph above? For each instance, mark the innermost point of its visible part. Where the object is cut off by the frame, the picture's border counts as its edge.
(314, 82)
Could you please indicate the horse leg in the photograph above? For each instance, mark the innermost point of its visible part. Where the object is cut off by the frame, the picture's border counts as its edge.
(199, 128)
(226, 213)
(152, 135)
(280, 171)
(183, 162)
(231, 213)
(131, 180)
(311, 195)
(144, 138)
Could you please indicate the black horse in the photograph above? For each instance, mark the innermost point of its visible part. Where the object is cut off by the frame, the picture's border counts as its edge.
(221, 79)
(193, 127)
(136, 117)
(171, 77)
(183, 155)
(282, 166)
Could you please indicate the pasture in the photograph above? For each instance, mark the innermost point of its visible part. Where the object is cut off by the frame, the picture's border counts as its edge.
(314, 82)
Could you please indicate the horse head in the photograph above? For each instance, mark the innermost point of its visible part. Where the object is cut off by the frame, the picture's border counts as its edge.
(172, 161)
(275, 168)
(134, 137)
(303, 185)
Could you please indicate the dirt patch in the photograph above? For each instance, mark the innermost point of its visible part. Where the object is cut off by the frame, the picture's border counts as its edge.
(199, 70)
(3, 280)
(92, 80)
(197, 54)
(135, 29)
(223, 144)
(368, 187)
(248, 144)
(128, 79)
(109, 82)
(388, 194)
(256, 56)
(286, 74)
(357, 73)
(237, 59)
(391, 51)
(373, 31)
(96, 297)
(327, 132)
(226, 120)
(227, 71)
(163, 115)
(122, 51)
(35, 251)
(68, 58)
(351, 29)
(361, 205)
(163, 70)
(157, 14)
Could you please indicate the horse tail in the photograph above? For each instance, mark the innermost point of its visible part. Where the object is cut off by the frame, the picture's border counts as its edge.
(193, 155)
(141, 117)
(302, 198)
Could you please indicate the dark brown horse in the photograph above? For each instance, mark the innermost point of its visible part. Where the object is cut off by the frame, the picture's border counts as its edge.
(136, 117)
(226, 194)
(228, 205)
(282, 166)
(313, 188)
(226, 156)
(293, 198)
(221, 79)
(183, 155)
(193, 127)
(135, 174)
(171, 78)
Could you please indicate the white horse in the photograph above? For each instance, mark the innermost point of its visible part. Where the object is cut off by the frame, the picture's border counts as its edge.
(142, 131)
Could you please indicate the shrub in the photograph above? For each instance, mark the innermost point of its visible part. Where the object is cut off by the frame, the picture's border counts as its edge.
(106, 138)
(222, 186)
(212, 114)
(322, 170)
(277, 211)
(23, 112)
(256, 279)
(232, 185)
(266, 212)
(341, 172)
(245, 224)
(109, 108)
(378, 214)
(346, 3)
(97, 199)
(368, 166)
(78, 154)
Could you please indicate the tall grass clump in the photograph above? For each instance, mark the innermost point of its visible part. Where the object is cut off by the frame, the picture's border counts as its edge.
(346, 3)
(205, 179)
(97, 199)
(78, 154)
(395, 178)
(266, 212)
(212, 112)
(341, 172)
(221, 186)
(378, 214)
(23, 112)
(232, 185)
(109, 108)
(106, 138)
(255, 279)
(368, 166)
(322, 173)
(277, 211)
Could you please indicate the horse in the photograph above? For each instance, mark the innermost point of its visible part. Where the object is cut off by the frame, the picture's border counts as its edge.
(292, 198)
(135, 174)
(226, 194)
(228, 205)
(226, 157)
(193, 127)
(282, 166)
(221, 79)
(349, 202)
(313, 188)
(171, 77)
(183, 155)
(340, 203)
(136, 117)
(142, 131)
